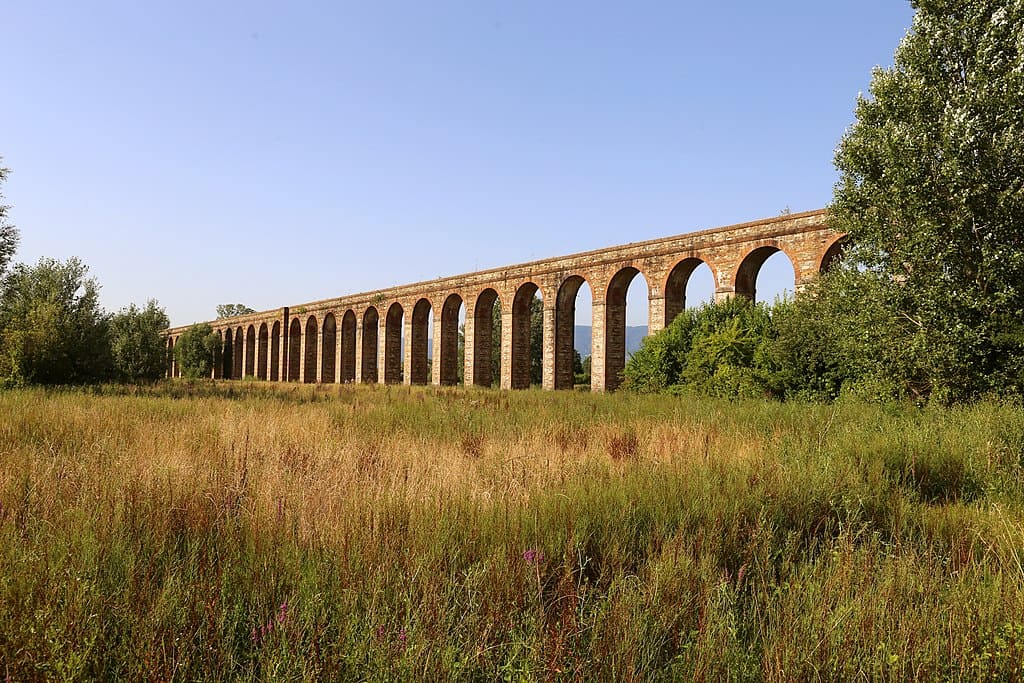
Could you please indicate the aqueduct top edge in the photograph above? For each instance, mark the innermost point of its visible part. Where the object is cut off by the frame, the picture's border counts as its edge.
(774, 227)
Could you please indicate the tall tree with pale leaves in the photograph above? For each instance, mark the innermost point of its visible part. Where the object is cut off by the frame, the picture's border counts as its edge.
(932, 195)
(8, 233)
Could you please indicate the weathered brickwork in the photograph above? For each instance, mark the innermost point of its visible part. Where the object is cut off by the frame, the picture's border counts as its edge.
(305, 342)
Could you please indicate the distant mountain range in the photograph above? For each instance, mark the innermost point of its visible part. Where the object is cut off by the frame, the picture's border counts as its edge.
(634, 335)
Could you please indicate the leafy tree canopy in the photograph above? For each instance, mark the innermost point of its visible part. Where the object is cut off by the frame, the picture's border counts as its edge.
(8, 233)
(138, 349)
(231, 310)
(932, 195)
(195, 351)
(52, 330)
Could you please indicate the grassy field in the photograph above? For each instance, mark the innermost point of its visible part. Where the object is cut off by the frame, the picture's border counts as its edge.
(349, 533)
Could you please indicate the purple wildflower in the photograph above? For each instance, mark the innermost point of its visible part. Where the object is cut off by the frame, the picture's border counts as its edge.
(533, 556)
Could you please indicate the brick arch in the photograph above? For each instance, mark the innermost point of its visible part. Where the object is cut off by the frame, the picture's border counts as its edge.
(448, 363)
(239, 349)
(371, 322)
(295, 350)
(831, 254)
(393, 344)
(309, 364)
(565, 329)
(328, 349)
(521, 357)
(348, 347)
(745, 283)
(261, 355)
(676, 281)
(615, 323)
(170, 357)
(275, 351)
(250, 352)
(421, 313)
(483, 337)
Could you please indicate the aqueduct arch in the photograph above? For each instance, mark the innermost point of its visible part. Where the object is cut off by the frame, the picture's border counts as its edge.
(287, 343)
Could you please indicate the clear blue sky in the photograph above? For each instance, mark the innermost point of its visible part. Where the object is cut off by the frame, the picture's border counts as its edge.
(278, 153)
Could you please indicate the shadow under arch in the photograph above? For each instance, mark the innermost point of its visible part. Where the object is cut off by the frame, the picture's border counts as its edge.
(483, 338)
(348, 347)
(294, 350)
(448, 363)
(328, 349)
(393, 344)
(419, 358)
(371, 322)
(565, 330)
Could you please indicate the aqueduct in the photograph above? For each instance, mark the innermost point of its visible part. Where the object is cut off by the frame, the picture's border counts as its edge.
(382, 336)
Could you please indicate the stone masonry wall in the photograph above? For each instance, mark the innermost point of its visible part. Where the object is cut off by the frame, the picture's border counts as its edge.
(286, 343)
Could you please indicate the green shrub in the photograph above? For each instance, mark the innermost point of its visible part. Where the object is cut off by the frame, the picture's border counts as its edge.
(195, 351)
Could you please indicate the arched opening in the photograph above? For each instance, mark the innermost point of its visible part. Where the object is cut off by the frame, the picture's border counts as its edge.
(691, 283)
(487, 339)
(371, 320)
(527, 336)
(275, 351)
(170, 357)
(420, 361)
(294, 350)
(250, 351)
(765, 274)
(625, 325)
(448, 364)
(570, 352)
(261, 354)
(228, 356)
(239, 369)
(393, 344)
(348, 347)
(309, 367)
(833, 253)
(328, 353)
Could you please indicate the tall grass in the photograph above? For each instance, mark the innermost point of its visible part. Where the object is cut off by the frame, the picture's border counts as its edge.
(198, 532)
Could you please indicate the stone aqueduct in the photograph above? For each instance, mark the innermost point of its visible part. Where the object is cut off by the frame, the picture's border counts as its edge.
(361, 337)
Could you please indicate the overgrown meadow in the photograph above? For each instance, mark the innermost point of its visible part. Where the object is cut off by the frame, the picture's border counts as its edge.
(243, 531)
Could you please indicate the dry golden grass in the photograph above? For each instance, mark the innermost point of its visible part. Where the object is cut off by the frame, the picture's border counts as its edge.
(396, 533)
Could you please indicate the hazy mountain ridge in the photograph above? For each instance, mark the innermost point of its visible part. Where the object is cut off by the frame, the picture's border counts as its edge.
(634, 335)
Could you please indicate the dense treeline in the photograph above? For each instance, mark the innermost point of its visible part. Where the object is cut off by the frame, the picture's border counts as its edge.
(53, 330)
(928, 302)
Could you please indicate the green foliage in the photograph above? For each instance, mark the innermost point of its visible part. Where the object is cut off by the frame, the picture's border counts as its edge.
(138, 348)
(196, 350)
(231, 310)
(718, 349)
(52, 330)
(536, 341)
(931, 196)
(264, 532)
(582, 375)
(8, 233)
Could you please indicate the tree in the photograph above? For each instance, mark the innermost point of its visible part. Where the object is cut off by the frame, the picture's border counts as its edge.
(8, 233)
(536, 340)
(720, 349)
(52, 330)
(932, 195)
(231, 310)
(138, 349)
(196, 350)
